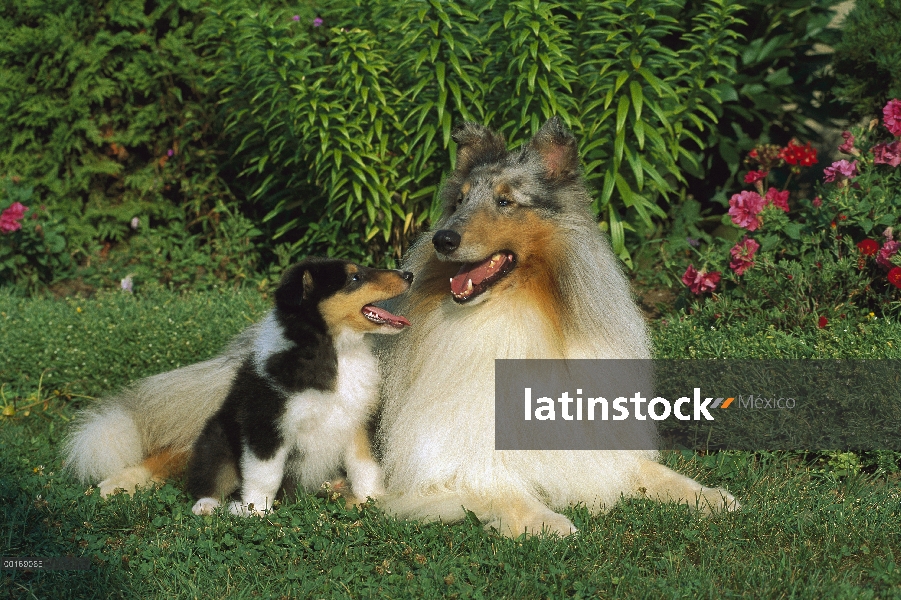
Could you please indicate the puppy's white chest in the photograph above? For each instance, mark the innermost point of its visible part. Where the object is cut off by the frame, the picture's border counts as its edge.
(344, 408)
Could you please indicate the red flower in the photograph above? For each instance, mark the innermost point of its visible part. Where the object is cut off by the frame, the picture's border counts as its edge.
(887, 154)
(700, 281)
(777, 198)
(9, 218)
(794, 154)
(755, 176)
(822, 322)
(892, 114)
(744, 208)
(894, 277)
(868, 247)
(743, 255)
(817, 202)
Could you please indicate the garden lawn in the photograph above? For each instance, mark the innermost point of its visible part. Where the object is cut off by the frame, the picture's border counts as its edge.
(809, 526)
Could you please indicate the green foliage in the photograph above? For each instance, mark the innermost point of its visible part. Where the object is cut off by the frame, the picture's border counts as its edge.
(35, 254)
(352, 120)
(105, 111)
(811, 269)
(783, 86)
(868, 55)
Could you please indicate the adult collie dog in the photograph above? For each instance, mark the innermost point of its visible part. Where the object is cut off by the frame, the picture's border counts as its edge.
(514, 268)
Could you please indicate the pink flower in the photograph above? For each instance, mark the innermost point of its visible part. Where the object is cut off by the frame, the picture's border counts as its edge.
(777, 198)
(839, 171)
(9, 218)
(744, 208)
(848, 146)
(887, 154)
(742, 255)
(700, 281)
(317, 22)
(892, 114)
(755, 176)
(888, 250)
(817, 202)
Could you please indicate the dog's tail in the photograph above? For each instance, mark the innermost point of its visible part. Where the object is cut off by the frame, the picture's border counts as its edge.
(162, 414)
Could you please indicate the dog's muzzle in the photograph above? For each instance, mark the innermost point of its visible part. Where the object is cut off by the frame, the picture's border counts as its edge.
(446, 241)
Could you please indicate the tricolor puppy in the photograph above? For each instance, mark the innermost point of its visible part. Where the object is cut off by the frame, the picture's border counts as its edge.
(300, 401)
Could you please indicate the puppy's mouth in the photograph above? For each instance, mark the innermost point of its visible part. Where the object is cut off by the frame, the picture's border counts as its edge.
(474, 279)
(380, 316)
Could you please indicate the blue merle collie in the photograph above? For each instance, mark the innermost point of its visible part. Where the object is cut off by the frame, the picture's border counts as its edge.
(301, 400)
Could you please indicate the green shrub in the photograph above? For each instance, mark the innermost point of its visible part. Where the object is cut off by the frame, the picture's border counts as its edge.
(352, 120)
(107, 114)
(868, 55)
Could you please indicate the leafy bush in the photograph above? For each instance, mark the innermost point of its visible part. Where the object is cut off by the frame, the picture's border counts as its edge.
(107, 114)
(32, 246)
(811, 262)
(783, 87)
(352, 119)
(868, 55)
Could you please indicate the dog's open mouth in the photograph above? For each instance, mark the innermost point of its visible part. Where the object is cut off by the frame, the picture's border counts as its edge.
(474, 279)
(380, 316)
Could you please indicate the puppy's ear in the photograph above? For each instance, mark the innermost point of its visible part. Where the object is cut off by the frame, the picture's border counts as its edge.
(296, 286)
(307, 285)
(476, 144)
(557, 148)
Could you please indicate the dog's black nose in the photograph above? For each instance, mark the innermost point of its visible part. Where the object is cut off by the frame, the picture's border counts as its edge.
(446, 241)
(408, 276)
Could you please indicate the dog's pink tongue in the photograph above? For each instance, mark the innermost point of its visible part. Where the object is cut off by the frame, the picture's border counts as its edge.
(380, 314)
(472, 274)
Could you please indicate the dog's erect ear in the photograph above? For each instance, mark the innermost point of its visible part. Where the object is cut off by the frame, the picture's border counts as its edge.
(477, 144)
(557, 148)
(307, 284)
(296, 286)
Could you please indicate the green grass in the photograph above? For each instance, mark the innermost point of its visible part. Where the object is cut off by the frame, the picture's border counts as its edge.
(807, 529)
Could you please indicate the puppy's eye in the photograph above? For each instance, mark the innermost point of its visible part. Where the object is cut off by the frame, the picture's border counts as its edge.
(355, 277)
(503, 201)
(460, 199)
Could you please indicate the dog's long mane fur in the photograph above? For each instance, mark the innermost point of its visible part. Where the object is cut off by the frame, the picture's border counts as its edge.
(572, 300)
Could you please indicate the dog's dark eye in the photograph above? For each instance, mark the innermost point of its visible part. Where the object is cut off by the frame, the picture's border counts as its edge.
(355, 277)
(503, 201)
(460, 199)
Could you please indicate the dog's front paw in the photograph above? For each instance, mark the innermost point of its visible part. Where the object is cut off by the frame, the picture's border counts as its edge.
(712, 500)
(541, 523)
(241, 509)
(205, 506)
(127, 480)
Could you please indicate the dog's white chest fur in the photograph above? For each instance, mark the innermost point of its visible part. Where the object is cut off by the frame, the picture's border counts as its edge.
(320, 425)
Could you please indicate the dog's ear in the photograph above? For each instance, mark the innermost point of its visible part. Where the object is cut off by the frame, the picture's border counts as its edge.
(476, 144)
(296, 286)
(557, 148)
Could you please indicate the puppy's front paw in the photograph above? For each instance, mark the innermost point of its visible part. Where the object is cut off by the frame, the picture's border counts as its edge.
(241, 509)
(205, 506)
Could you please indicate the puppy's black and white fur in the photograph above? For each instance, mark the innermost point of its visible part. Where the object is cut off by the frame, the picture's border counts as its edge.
(300, 402)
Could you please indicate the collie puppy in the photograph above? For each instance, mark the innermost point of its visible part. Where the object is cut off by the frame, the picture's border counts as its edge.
(515, 268)
(301, 401)
(291, 395)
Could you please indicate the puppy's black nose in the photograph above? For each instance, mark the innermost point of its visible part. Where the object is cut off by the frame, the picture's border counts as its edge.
(408, 276)
(446, 241)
